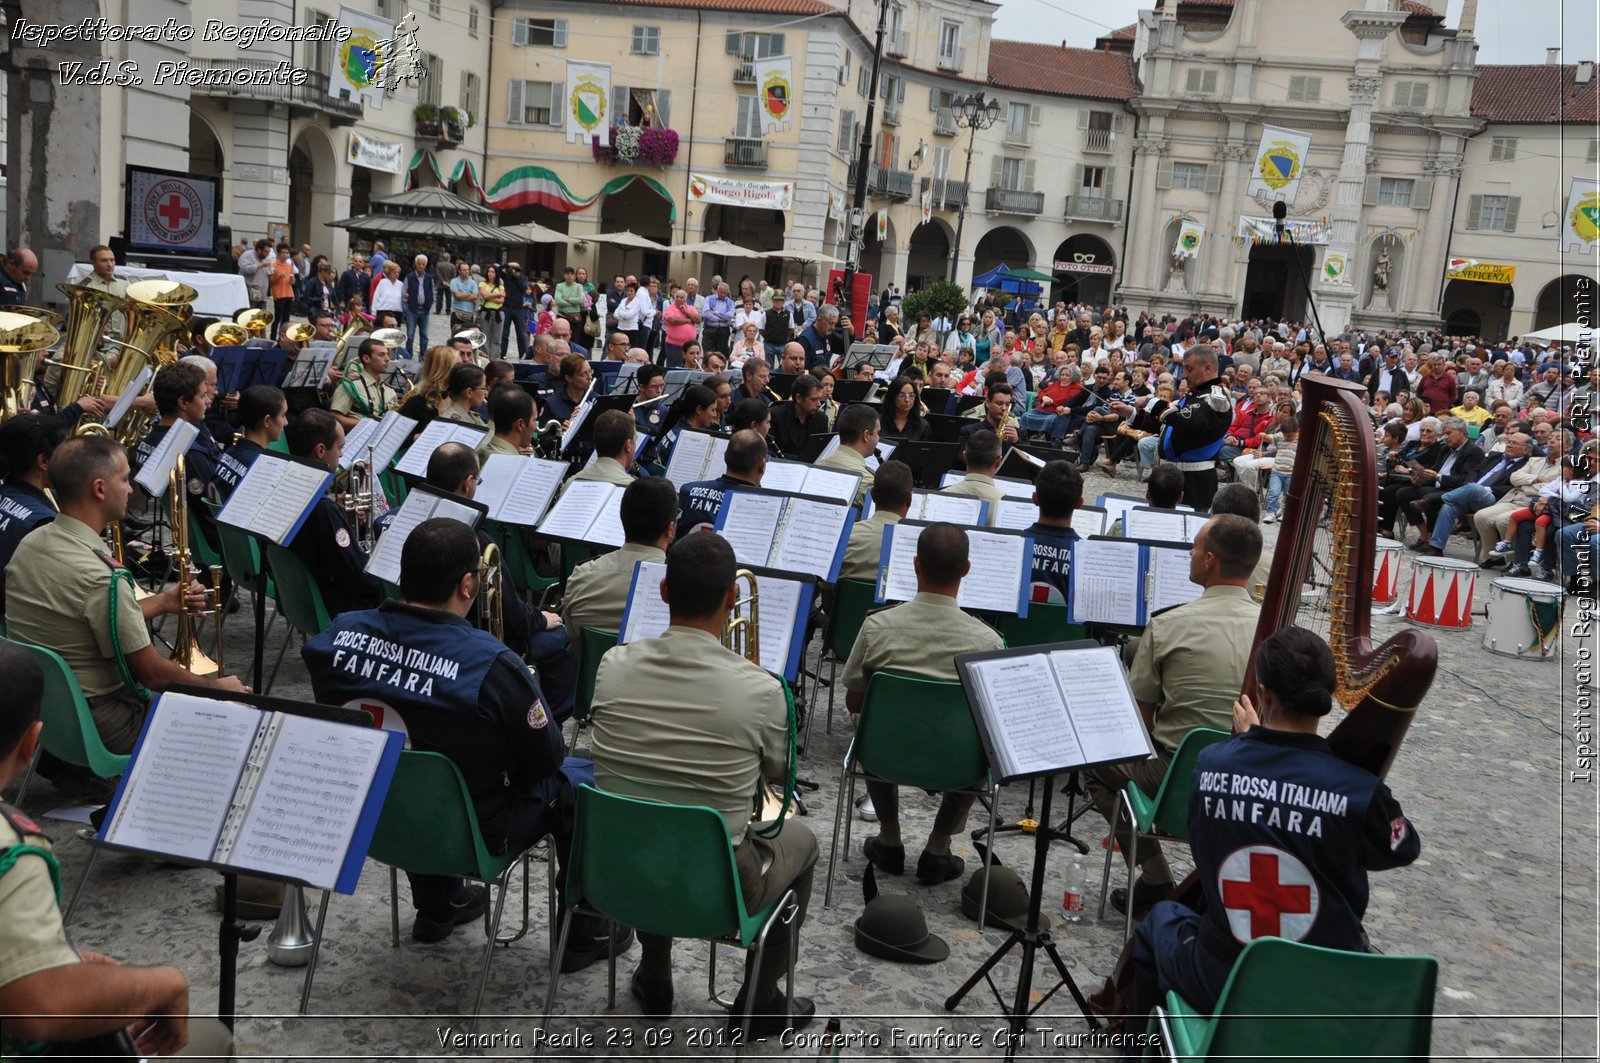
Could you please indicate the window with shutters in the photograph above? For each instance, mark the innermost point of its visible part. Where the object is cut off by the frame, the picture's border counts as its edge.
(1412, 95)
(847, 132)
(951, 54)
(534, 102)
(1094, 181)
(1594, 151)
(432, 91)
(1190, 175)
(1198, 82)
(1493, 212)
(1503, 149)
(647, 40)
(435, 8)
(893, 90)
(864, 81)
(469, 94)
(539, 32)
(1395, 191)
(472, 21)
(1304, 89)
(316, 55)
(747, 119)
(1013, 174)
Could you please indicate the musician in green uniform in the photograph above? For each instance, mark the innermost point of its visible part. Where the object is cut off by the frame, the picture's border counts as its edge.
(858, 438)
(891, 499)
(597, 591)
(364, 394)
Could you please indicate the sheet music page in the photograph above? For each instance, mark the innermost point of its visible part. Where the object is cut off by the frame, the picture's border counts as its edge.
(182, 783)
(1019, 514)
(436, 435)
(830, 483)
(496, 478)
(784, 475)
(1106, 585)
(1116, 507)
(717, 460)
(244, 506)
(811, 537)
(646, 615)
(1022, 489)
(355, 441)
(125, 400)
(1100, 704)
(1192, 523)
(155, 475)
(829, 447)
(1169, 578)
(536, 484)
(951, 477)
(579, 415)
(309, 800)
(292, 493)
(899, 583)
(385, 559)
(780, 598)
(393, 431)
(999, 565)
(751, 524)
(1027, 714)
(1090, 520)
(1142, 523)
(576, 509)
(688, 461)
(932, 506)
(607, 527)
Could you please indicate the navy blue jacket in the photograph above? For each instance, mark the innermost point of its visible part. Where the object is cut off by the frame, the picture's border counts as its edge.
(1052, 559)
(23, 508)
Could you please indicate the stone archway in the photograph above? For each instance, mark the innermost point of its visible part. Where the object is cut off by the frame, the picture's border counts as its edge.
(1485, 306)
(642, 211)
(1560, 301)
(313, 199)
(1003, 243)
(1084, 266)
(877, 255)
(928, 254)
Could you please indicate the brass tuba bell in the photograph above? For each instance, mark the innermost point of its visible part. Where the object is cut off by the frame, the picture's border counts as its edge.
(254, 321)
(89, 311)
(226, 334)
(24, 339)
(299, 332)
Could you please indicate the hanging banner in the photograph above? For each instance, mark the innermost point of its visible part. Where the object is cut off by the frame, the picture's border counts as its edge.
(836, 207)
(365, 49)
(374, 154)
(775, 84)
(738, 192)
(588, 103)
(883, 225)
(1190, 233)
(927, 204)
(1335, 266)
(1264, 231)
(1280, 157)
(1580, 222)
(535, 186)
(1470, 269)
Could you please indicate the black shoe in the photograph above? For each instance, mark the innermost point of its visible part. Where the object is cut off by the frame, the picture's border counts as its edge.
(1492, 561)
(583, 951)
(1427, 549)
(1548, 574)
(769, 1019)
(890, 859)
(653, 994)
(77, 781)
(1145, 897)
(933, 869)
(436, 924)
(1519, 570)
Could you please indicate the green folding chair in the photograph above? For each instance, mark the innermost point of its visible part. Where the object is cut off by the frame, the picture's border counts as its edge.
(592, 645)
(299, 599)
(241, 557)
(279, 445)
(429, 826)
(1288, 1001)
(852, 600)
(1166, 815)
(912, 732)
(668, 870)
(1044, 623)
(513, 543)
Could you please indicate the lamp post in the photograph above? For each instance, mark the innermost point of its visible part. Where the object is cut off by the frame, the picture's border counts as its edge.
(975, 113)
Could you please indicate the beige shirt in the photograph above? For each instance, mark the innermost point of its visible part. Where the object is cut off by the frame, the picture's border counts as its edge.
(682, 719)
(977, 485)
(116, 286)
(58, 594)
(865, 549)
(1191, 660)
(846, 459)
(597, 590)
(375, 397)
(1526, 481)
(493, 444)
(607, 470)
(31, 936)
(454, 412)
(920, 637)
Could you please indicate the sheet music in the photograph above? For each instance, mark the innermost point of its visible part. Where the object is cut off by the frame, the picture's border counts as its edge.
(1169, 578)
(418, 507)
(607, 528)
(750, 524)
(355, 441)
(999, 565)
(436, 435)
(1034, 730)
(897, 579)
(155, 475)
(272, 497)
(876, 459)
(310, 366)
(696, 456)
(1090, 520)
(1100, 704)
(951, 476)
(309, 800)
(1146, 523)
(1017, 514)
(786, 476)
(1192, 523)
(125, 400)
(646, 615)
(579, 415)
(575, 511)
(1105, 583)
(393, 431)
(780, 601)
(1116, 507)
(1014, 488)
(830, 483)
(181, 787)
(957, 509)
(811, 537)
(829, 447)
(518, 489)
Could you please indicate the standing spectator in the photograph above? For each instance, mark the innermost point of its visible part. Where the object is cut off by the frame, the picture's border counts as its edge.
(516, 311)
(681, 323)
(630, 315)
(388, 294)
(464, 296)
(304, 265)
(1506, 387)
(569, 299)
(353, 282)
(255, 266)
(281, 285)
(319, 291)
(493, 291)
(418, 302)
(719, 318)
(379, 257)
(1437, 386)
(443, 274)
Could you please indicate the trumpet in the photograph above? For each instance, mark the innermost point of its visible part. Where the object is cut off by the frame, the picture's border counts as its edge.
(186, 649)
(254, 321)
(491, 595)
(359, 501)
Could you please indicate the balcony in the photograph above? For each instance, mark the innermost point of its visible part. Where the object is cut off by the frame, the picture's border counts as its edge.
(750, 154)
(1099, 141)
(1008, 201)
(745, 72)
(1017, 137)
(444, 125)
(896, 184)
(947, 195)
(944, 124)
(259, 79)
(897, 44)
(891, 114)
(953, 60)
(1093, 208)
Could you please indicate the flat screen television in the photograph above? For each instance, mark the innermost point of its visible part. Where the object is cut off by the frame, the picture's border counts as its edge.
(170, 212)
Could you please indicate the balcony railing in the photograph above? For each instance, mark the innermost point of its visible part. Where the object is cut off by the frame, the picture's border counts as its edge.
(953, 60)
(944, 124)
(891, 114)
(258, 79)
(896, 184)
(1099, 141)
(1093, 208)
(947, 195)
(897, 44)
(745, 72)
(1018, 137)
(737, 151)
(1007, 201)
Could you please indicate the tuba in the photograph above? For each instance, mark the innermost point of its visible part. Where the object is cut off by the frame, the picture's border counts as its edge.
(24, 339)
(186, 649)
(226, 334)
(255, 322)
(491, 596)
(89, 311)
(300, 332)
(158, 320)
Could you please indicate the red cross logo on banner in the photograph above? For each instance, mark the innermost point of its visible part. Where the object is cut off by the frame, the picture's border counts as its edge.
(383, 716)
(173, 212)
(1267, 892)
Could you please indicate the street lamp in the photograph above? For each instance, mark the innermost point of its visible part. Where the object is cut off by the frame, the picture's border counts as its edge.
(975, 113)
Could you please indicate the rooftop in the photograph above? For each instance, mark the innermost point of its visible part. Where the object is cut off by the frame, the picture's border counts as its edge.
(1061, 71)
(1536, 92)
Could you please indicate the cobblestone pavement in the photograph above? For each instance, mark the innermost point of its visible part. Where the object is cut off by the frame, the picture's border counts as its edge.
(1503, 895)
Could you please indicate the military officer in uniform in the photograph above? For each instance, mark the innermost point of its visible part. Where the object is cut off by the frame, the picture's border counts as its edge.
(181, 395)
(1058, 492)
(26, 444)
(325, 542)
(891, 500)
(679, 718)
(698, 502)
(858, 438)
(460, 692)
(1193, 428)
(364, 394)
(597, 591)
(64, 590)
(511, 412)
(983, 461)
(264, 413)
(920, 637)
(1187, 667)
(613, 448)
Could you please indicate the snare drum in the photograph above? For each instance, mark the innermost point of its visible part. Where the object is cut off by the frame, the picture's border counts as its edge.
(1441, 592)
(1386, 572)
(1524, 619)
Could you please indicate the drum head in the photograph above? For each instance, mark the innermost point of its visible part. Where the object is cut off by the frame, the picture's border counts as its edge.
(1520, 585)
(1390, 544)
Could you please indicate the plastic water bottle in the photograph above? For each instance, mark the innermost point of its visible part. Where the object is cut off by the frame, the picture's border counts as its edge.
(1072, 896)
(832, 1040)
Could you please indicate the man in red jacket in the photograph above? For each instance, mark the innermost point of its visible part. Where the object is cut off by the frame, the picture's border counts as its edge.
(1438, 386)
(1250, 418)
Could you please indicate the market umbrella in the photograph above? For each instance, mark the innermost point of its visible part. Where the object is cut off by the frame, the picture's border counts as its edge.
(628, 239)
(802, 254)
(535, 233)
(1571, 332)
(720, 247)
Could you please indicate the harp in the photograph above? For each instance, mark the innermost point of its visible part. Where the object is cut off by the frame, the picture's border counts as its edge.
(1322, 576)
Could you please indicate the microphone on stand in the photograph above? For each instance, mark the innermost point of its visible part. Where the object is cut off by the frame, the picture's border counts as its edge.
(1280, 210)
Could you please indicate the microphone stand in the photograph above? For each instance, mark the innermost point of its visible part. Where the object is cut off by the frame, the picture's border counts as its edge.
(1279, 212)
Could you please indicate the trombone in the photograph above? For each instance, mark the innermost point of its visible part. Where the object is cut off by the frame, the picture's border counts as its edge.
(742, 631)
(186, 649)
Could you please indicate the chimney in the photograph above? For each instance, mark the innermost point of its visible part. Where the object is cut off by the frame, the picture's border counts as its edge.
(1552, 57)
(1584, 72)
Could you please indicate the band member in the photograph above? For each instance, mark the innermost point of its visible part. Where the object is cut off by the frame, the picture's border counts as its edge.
(858, 439)
(597, 590)
(475, 703)
(983, 461)
(511, 410)
(180, 394)
(1193, 428)
(364, 394)
(796, 421)
(613, 447)
(466, 390)
(699, 502)
(65, 590)
(264, 413)
(891, 500)
(1058, 492)
(656, 735)
(325, 543)
(695, 408)
(26, 444)
(997, 416)
(572, 378)
(753, 382)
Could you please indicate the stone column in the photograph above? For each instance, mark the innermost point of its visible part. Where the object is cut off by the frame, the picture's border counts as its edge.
(1140, 278)
(1217, 287)
(1424, 273)
(1371, 28)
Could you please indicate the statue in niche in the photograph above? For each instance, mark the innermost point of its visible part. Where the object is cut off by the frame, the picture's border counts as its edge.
(1380, 272)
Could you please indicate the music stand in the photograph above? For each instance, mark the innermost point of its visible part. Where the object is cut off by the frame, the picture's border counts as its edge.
(967, 402)
(1016, 467)
(678, 381)
(929, 460)
(945, 429)
(846, 392)
(529, 372)
(877, 355)
(937, 400)
(601, 404)
(815, 444)
(782, 384)
(242, 367)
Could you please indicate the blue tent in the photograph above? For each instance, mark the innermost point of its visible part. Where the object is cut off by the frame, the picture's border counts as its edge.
(991, 279)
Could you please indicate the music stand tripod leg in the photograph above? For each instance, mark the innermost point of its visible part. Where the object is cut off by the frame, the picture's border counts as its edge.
(229, 934)
(258, 675)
